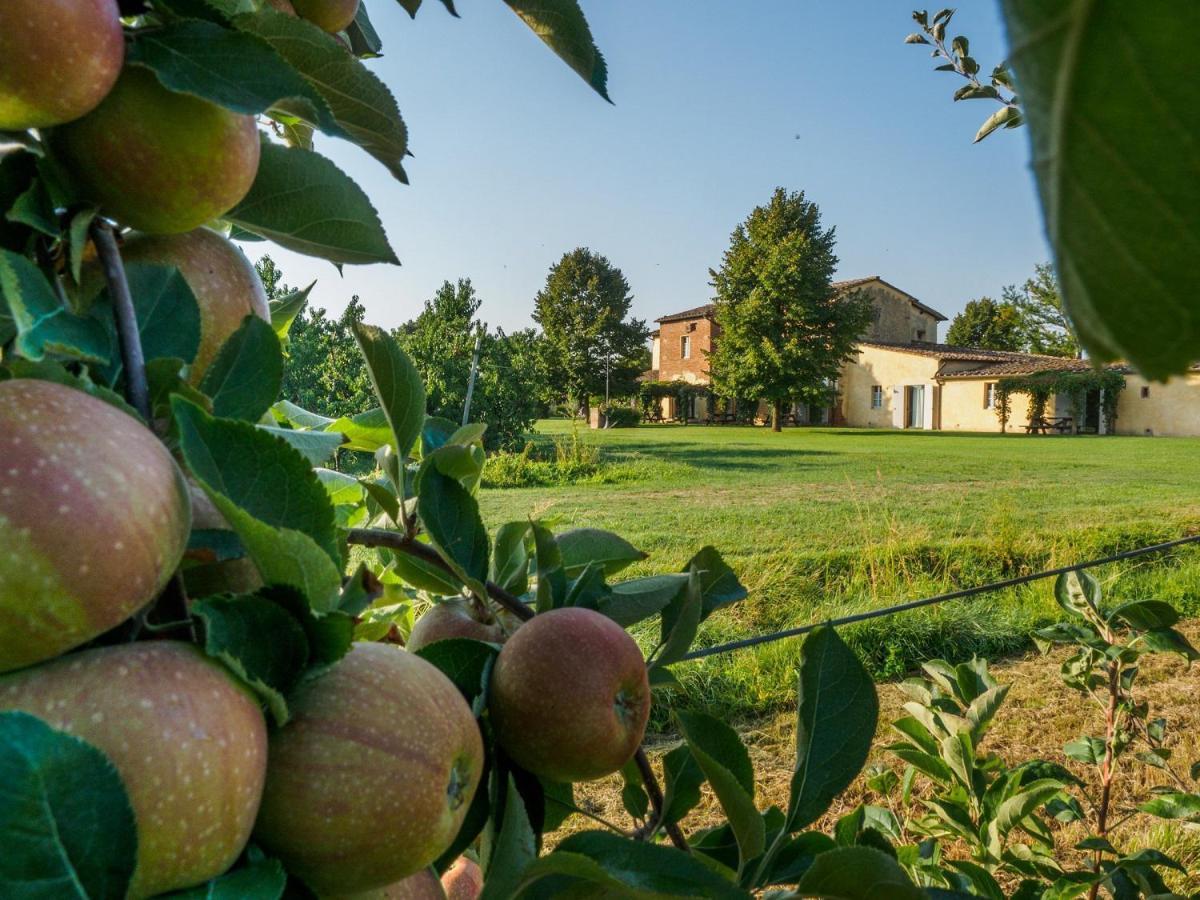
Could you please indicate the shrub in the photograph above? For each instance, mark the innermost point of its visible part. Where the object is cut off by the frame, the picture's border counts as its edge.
(622, 417)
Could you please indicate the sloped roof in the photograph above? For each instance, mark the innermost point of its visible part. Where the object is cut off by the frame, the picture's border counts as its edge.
(948, 351)
(705, 311)
(699, 312)
(1030, 366)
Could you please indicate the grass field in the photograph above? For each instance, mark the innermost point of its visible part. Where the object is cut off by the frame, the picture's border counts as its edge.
(821, 522)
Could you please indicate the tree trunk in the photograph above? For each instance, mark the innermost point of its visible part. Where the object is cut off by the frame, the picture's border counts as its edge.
(777, 416)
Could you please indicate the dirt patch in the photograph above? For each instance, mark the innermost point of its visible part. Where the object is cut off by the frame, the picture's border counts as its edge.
(1038, 717)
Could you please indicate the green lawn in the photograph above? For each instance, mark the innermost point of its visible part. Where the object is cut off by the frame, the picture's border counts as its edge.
(820, 522)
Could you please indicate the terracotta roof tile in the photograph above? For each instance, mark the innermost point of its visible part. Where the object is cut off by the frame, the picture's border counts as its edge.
(701, 312)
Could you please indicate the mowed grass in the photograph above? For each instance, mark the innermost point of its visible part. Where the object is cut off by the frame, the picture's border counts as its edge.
(819, 523)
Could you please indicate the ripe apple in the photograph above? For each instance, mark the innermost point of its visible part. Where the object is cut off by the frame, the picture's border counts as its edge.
(156, 160)
(422, 886)
(570, 696)
(206, 577)
(328, 15)
(60, 58)
(284, 6)
(188, 741)
(94, 518)
(370, 780)
(225, 283)
(455, 618)
(463, 880)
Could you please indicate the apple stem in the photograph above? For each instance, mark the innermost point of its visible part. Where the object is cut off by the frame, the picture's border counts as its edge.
(132, 358)
(656, 801)
(404, 543)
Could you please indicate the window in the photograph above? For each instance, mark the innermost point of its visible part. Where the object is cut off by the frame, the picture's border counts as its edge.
(989, 395)
(920, 334)
(876, 397)
(685, 347)
(1146, 392)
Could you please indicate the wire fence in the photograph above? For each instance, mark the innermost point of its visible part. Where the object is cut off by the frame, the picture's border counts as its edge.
(963, 594)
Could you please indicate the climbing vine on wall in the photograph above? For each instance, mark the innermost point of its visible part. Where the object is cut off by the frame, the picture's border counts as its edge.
(1041, 386)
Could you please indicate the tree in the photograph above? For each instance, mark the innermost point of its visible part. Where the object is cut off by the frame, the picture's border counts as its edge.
(1044, 320)
(988, 325)
(441, 342)
(784, 334)
(589, 343)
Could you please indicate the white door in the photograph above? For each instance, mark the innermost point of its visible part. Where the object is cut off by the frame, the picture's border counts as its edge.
(927, 413)
(898, 398)
(916, 405)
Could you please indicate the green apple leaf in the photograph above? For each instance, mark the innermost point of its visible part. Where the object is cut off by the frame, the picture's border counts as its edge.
(1145, 615)
(167, 312)
(836, 719)
(1078, 593)
(1168, 640)
(638, 599)
(244, 380)
(361, 104)
(512, 850)
(683, 779)
(364, 39)
(303, 202)
(330, 636)
(233, 633)
(435, 433)
(66, 823)
(397, 384)
(450, 516)
(285, 411)
(271, 498)
(510, 557)
(42, 324)
(262, 879)
(365, 431)
(233, 69)
(1173, 805)
(580, 546)
(726, 765)
(562, 27)
(624, 868)
(35, 209)
(425, 577)
(318, 447)
(218, 11)
(466, 662)
(679, 623)
(719, 584)
(551, 579)
(858, 873)
(285, 310)
(1107, 90)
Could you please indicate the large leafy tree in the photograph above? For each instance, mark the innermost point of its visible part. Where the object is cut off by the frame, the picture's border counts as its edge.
(784, 333)
(441, 343)
(589, 340)
(1040, 304)
(988, 325)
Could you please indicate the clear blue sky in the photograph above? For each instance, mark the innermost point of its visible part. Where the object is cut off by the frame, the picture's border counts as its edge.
(517, 161)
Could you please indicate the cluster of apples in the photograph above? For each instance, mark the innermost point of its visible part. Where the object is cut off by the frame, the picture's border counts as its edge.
(153, 159)
(369, 782)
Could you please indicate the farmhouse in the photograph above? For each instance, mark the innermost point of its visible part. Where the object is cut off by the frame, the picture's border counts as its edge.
(901, 377)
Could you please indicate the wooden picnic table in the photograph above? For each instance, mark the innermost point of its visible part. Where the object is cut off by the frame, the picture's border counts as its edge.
(1046, 424)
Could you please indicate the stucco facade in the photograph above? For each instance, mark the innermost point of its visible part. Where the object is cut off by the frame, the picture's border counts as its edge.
(900, 377)
(862, 406)
(1171, 409)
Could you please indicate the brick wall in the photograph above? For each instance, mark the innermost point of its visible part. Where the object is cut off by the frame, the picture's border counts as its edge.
(671, 364)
